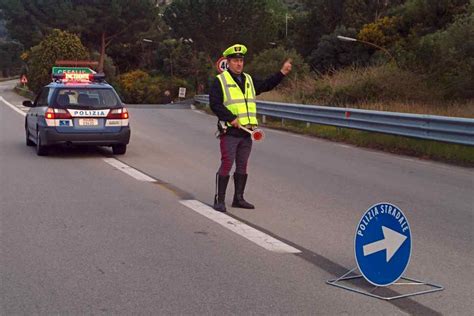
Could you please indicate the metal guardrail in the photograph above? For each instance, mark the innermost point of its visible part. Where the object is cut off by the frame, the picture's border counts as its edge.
(441, 128)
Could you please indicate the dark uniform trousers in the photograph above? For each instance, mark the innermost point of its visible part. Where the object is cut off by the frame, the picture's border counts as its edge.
(234, 149)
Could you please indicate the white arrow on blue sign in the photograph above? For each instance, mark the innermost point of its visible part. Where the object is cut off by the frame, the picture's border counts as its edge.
(382, 244)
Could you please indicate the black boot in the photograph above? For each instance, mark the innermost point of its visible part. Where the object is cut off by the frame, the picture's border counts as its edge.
(239, 181)
(219, 198)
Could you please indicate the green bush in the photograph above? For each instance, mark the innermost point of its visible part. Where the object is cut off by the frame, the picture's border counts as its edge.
(58, 45)
(133, 86)
(445, 51)
(422, 17)
(139, 87)
(331, 53)
(451, 54)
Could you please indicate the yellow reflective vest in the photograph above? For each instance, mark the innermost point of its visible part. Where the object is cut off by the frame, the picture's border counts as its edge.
(241, 104)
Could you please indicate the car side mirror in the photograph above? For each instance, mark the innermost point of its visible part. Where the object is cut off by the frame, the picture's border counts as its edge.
(28, 104)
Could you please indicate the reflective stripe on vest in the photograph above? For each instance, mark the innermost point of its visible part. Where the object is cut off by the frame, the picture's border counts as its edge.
(234, 99)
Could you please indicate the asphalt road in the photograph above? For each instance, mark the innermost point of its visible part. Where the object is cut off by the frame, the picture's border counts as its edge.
(80, 237)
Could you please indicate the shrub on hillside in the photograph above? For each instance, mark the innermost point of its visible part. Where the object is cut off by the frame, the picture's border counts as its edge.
(56, 46)
(451, 58)
(444, 54)
(382, 32)
(139, 87)
(333, 53)
(133, 86)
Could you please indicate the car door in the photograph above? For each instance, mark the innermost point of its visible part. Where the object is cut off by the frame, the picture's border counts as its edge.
(36, 114)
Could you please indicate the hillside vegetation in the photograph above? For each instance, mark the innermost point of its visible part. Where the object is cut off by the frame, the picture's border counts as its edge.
(409, 54)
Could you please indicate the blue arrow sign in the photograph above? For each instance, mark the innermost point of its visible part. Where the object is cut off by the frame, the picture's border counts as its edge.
(382, 244)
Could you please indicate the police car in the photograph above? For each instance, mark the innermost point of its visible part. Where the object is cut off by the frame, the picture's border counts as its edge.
(77, 108)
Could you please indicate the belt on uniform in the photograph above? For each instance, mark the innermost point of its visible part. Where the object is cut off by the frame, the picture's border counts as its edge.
(251, 127)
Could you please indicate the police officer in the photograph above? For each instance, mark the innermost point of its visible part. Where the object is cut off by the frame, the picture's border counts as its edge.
(232, 99)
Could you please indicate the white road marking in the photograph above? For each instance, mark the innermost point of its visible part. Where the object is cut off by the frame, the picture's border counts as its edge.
(129, 170)
(252, 234)
(14, 107)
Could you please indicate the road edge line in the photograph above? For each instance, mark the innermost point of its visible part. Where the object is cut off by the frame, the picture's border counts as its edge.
(12, 106)
(134, 173)
(254, 235)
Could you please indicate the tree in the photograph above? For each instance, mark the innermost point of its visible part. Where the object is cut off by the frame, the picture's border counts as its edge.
(180, 59)
(3, 30)
(10, 62)
(113, 20)
(322, 17)
(41, 58)
(359, 12)
(10, 50)
(421, 17)
(319, 17)
(215, 24)
(21, 24)
(447, 56)
(270, 61)
(98, 22)
(332, 54)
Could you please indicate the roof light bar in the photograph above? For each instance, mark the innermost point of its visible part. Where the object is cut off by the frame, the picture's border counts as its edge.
(78, 77)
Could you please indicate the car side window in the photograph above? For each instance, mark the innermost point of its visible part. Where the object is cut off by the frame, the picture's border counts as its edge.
(42, 99)
(108, 97)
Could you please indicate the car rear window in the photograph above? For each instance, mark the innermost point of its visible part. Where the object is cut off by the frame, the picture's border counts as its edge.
(87, 97)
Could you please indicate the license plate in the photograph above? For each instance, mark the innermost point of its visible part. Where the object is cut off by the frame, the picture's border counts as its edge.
(88, 122)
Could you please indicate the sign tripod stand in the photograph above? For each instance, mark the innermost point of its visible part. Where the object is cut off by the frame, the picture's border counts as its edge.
(382, 249)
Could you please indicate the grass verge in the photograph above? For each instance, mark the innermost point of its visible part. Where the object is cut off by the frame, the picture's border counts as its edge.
(24, 92)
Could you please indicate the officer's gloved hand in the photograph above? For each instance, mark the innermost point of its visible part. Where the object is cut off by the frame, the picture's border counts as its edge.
(235, 123)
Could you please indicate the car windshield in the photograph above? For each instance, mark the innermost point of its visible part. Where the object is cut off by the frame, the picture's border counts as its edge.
(87, 97)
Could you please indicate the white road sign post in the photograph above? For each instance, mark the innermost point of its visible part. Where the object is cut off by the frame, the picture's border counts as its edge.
(182, 92)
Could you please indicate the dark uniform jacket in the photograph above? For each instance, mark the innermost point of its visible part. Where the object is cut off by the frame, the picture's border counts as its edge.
(216, 98)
